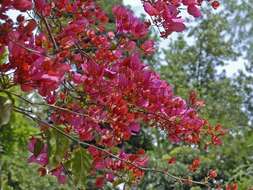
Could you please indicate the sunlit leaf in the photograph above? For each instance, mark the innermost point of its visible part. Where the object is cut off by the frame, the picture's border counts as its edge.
(38, 147)
(5, 110)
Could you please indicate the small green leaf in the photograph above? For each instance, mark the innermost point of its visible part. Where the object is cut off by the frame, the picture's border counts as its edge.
(5, 110)
(166, 157)
(115, 150)
(62, 145)
(81, 165)
(118, 182)
(58, 145)
(3, 56)
(38, 147)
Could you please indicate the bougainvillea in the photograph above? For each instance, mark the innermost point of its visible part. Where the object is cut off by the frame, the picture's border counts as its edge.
(97, 90)
(166, 14)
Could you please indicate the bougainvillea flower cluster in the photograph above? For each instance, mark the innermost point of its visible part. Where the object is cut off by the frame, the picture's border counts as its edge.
(95, 81)
(166, 14)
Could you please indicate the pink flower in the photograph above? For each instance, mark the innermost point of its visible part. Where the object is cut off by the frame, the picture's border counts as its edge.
(100, 182)
(60, 174)
(152, 11)
(189, 2)
(148, 47)
(134, 127)
(194, 11)
(126, 22)
(23, 5)
(39, 152)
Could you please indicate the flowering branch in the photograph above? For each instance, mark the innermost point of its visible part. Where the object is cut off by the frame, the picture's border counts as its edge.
(145, 169)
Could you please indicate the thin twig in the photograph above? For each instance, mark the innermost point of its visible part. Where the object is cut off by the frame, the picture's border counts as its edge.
(53, 106)
(29, 49)
(49, 31)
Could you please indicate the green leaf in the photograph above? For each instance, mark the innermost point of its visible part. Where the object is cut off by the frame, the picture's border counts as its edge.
(38, 147)
(58, 145)
(118, 182)
(3, 56)
(81, 165)
(62, 145)
(166, 157)
(5, 110)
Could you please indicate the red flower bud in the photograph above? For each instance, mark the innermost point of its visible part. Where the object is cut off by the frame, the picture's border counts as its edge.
(212, 174)
(215, 4)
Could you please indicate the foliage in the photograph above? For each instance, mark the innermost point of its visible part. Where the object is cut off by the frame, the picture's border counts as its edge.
(14, 172)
